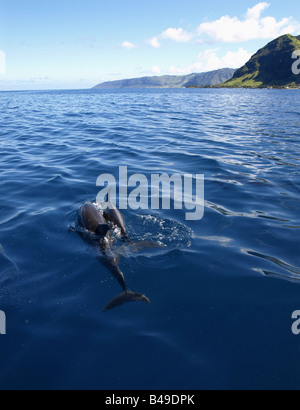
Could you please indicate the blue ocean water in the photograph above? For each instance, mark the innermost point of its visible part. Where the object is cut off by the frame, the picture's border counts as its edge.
(222, 290)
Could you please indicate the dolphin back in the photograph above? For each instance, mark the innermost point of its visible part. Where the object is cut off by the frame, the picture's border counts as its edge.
(90, 217)
(126, 297)
(113, 215)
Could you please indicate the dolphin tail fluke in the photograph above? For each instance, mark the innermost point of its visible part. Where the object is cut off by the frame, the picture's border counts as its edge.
(126, 297)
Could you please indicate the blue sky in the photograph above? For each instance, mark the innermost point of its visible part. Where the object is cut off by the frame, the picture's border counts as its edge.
(79, 43)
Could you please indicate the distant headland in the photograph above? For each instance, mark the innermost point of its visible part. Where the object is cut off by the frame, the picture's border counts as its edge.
(270, 67)
(211, 78)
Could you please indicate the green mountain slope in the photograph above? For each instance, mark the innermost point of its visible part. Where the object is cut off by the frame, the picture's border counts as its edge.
(210, 78)
(269, 67)
(203, 79)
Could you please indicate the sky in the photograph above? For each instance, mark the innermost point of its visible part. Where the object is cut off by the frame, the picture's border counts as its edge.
(76, 44)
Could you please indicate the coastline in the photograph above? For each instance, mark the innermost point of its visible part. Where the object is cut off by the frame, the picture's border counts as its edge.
(248, 88)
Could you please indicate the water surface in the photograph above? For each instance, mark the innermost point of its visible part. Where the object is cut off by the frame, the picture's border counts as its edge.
(223, 289)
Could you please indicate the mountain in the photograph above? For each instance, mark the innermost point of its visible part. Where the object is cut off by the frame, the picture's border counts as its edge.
(171, 81)
(210, 78)
(269, 67)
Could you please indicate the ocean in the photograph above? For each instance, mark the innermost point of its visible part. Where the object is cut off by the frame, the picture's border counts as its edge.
(223, 289)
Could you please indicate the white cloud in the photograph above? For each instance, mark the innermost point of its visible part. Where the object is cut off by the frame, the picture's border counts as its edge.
(179, 35)
(232, 59)
(252, 27)
(128, 45)
(176, 34)
(256, 11)
(154, 42)
(198, 66)
(156, 69)
(209, 61)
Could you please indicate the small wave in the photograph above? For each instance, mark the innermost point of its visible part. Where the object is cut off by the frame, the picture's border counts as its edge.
(220, 240)
(13, 108)
(254, 214)
(73, 114)
(291, 272)
(42, 211)
(8, 269)
(11, 218)
(290, 278)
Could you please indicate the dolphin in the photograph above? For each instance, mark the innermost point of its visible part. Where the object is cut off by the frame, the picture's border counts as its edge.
(98, 231)
(92, 220)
